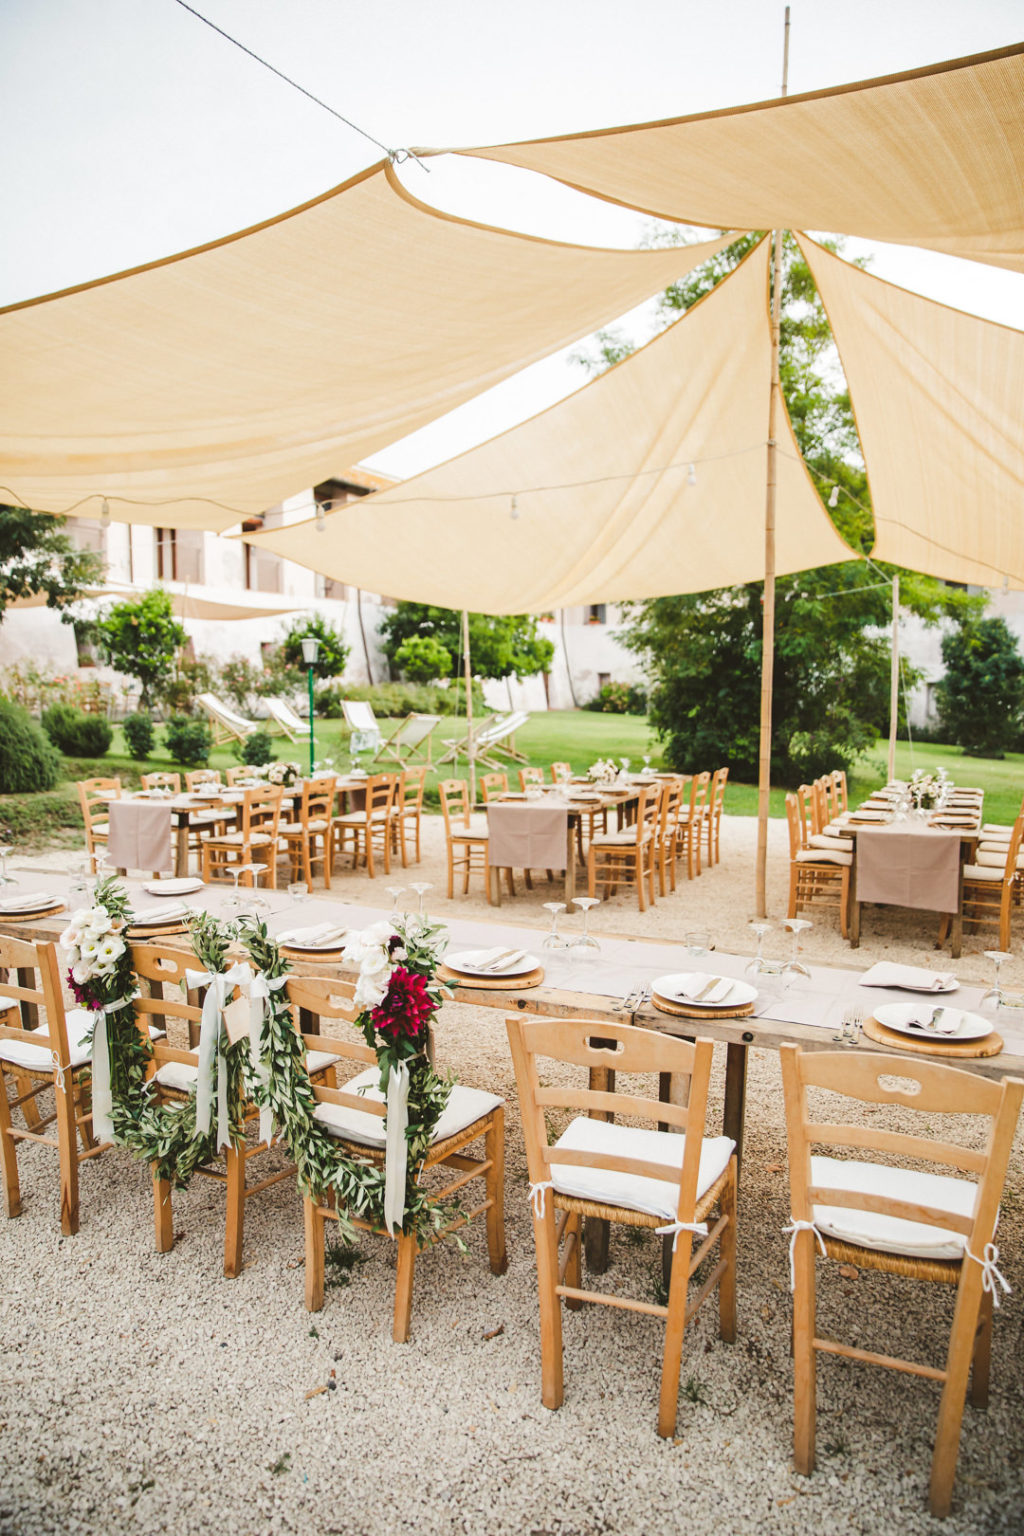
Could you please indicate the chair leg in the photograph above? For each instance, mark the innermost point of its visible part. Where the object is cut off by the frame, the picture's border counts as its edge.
(67, 1151)
(8, 1154)
(727, 1250)
(551, 1378)
(403, 1288)
(675, 1327)
(982, 1354)
(574, 1261)
(804, 1358)
(951, 1409)
(494, 1188)
(163, 1215)
(234, 1226)
(313, 1226)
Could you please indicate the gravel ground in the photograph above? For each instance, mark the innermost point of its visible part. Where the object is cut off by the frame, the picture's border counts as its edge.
(142, 1392)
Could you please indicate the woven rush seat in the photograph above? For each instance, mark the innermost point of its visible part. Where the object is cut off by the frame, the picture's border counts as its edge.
(295, 828)
(624, 839)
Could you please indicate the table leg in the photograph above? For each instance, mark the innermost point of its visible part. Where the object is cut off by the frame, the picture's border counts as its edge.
(854, 919)
(181, 847)
(735, 1096)
(595, 1228)
(570, 864)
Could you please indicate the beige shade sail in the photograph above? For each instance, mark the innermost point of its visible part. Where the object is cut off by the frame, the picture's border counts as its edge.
(184, 604)
(934, 157)
(603, 505)
(210, 386)
(939, 402)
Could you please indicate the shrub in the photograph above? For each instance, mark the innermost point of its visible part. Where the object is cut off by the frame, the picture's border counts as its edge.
(393, 700)
(29, 761)
(139, 735)
(188, 741)
(619, 699)
(75, 733)
(422, 659)
(256, 749)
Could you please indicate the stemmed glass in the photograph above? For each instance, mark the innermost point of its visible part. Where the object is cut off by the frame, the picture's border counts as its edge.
(233, 901)
(794, 966)
(995, 991)
(421, 887)
(758, 963)
(554, 940)
(257, 903)
(5, 878)
(647, 762)
(585, 946)
(394, 891)
(298, 891)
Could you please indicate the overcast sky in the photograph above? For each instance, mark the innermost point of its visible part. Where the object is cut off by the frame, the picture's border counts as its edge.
(132, 130)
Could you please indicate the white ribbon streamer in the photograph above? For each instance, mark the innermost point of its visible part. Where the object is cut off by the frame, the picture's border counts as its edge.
(219, 986)
(537, 1193)
(698, 1228)
(259, 989)
(102, 1097)
(396, 1155)
(991, 1279)
(797, 1227)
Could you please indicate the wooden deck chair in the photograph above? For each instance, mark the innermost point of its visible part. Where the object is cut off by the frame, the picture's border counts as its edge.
(362, 723)
(354, 1113)
(410, 739)
(456, 747)
(500, 740)
(174, 1071)
(291, 724)
(636, 1176)
(902, 1221)
(227, 725)
(816, 875)
(42, 1047)
(93, 797)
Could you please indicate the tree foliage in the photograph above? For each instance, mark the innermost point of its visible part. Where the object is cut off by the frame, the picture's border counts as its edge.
(981, 697)
(423, 659)
(37, 556)
(141, 638)
(333, 652)
(501, 645)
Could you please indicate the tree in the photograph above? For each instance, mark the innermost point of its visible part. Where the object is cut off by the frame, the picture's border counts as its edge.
(333, 652)
(141, 639)
(423, 659)
(36, 556)
(981, 697)
(501, 645)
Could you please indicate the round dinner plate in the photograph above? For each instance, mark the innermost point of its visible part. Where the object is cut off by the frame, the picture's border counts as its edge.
(174, 885)
(39, 903)
(679, 988)
(898, 1016)
(467, 961)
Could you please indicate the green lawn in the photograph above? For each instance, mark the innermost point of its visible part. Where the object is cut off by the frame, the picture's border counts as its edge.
(577, 737)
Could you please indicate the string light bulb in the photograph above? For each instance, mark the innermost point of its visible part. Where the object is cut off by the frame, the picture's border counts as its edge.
(691, 475)
(513, 510)
(105, 510)
(833, 496)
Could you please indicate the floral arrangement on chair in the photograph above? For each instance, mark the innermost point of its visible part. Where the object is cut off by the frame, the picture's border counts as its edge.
(604, 771)
(927, 789)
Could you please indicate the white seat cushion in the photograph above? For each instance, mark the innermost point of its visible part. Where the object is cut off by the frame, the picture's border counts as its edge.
(469, 837)
(984, 872)
(608, 1187)
(100, 828)
(181, 1075)
(358, 818)
(21, 1054)
(618, 839)
(828, 844)
(207, 818)
(294, 828)
(991, 856)
(997, 828)
(892, 1234)
(317, 1061)
(464, 1106)
(823, 856)
(236, 839)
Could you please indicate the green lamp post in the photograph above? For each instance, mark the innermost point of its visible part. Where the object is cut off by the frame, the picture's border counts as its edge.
(310, 652)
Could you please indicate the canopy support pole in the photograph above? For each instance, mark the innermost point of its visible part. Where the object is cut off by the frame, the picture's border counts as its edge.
(470, 744)
(768, 613)
(894, 680)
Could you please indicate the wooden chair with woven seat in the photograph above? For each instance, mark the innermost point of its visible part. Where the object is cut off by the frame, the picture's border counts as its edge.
(840, 793)
(468, 847)
(991, 888)
(93, 797)
(713, 815)
(202, 824)
(630, 855)
(174, 1071)
(408, 812)
(668, 833)
(368, 833)
(561, 773)
(241, 773)
(202, 778)
(817, 876)
(492, 785)
(691, 823)
(168, 780)
(530, 776)
(907, 1222)
(254, 840)
(43, 1047)
(626, 1174)
(819, 826)
(354, 1113)
(309, 839)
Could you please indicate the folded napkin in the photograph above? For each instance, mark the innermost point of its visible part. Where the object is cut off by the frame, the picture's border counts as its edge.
(868, 813)
(496, 960)
(709, 989)
(165, 912)
(27, 902)
(320, 936)
(914, 977)
(938, 1021)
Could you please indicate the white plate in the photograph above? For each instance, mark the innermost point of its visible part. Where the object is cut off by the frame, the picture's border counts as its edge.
(679, 988)
(468, 963)
(12, 907)
(898, 1016)
(328, 947)
(174, 885)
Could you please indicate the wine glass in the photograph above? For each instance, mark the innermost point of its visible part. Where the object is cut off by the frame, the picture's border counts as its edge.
(995, 991)
(257, 903)
(554, 940)
(395, 891)
(5, 878)
(794, 966)
(647, 762)
(233, 901)
(758, 962)
(585, 946)
(421, 887)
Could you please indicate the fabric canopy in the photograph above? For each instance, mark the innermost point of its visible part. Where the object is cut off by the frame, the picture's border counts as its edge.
(184, 604)
(939, 401)
(603, 505)
(934, 157)
(210, 386)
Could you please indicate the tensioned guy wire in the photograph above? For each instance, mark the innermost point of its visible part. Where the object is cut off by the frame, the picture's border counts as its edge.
(397, 156)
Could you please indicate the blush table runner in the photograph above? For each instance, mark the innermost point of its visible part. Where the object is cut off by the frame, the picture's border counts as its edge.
(900, 867)
(527, 836)
(140, 835)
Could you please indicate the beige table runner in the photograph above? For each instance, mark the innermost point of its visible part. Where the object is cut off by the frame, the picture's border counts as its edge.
(527, 836)
(902, 867)
(140, 835)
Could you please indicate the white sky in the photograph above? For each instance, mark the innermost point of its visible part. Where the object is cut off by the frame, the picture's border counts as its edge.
(132, 130)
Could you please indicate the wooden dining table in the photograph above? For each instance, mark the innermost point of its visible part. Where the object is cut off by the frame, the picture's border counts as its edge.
(619, 798)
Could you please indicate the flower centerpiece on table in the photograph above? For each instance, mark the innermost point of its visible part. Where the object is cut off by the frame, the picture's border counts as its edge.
(604, 771)
(284, 774)
(927, 789)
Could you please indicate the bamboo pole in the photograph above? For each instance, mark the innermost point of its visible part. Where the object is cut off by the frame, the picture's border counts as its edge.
(470, 744)
(768, 614)
(894, 678)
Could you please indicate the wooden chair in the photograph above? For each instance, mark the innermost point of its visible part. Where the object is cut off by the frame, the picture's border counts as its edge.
(310, 839)
(203, 778)
(691, 823)
(819, 827)
(468, 849)
(620, 1173)
(171, 781)
(354, 1112)
(668, 833)
(992, 887)
(530, 776)
(242, 771)
(408, 810)
(817, 876)
(173, 1073)
(41, 1048)
(840, 794)
(713, 815)
(630, 855)
(254, 842)
(361, 832)
(561, 773)
(93, 797)
(945, 1225)
(491, 785)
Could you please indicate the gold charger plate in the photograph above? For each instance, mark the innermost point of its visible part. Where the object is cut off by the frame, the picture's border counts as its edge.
(681, 1011)
(34, 916)
(988, 1045)
(492, 983)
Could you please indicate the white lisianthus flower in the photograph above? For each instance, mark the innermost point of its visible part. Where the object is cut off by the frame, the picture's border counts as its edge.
(98, 918)
(81, 917)
(89, 947)
(71, 937)
(110, 950)
(82, 972)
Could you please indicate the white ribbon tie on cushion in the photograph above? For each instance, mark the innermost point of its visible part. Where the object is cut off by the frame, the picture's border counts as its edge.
(102, 1098)
(698, 1228)
(796, 1227)
(991, 1279)
(219, 986)
(396, 1153)
(259, 988)
(537, 1196)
